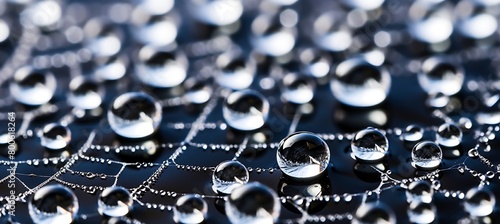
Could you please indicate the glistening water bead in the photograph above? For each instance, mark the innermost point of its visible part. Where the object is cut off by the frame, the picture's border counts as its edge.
(374, 213)
(234, 72)
(479, 202)
(53, 204)
(358, 83)
(253, 203)
(134, 115)
(412, 133)
(32, 87)
(245, 110)
(161, 68)
(190, 209)
(369, 145)
(229, 175)
(114, 201)
(303, 155)
(449, 135)
(55, 136)
(297, 89)
(419, 191)
(426, 155)
(440, 76)
(85, 93)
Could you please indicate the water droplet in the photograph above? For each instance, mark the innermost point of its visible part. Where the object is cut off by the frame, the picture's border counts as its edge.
(229, 175)
(358, 83)
(369, 145)
(114, 201)
(234, 72)
(245, 110)
(440, 76)
(479, 202)
(197, 91)
(490, 174)
(413, 133)
(111, 68)
(156, 7)
(465, 123)
(297, 89)
(32, 87)
(161, 68)
(438, 100)
(53, 204)
(42, 14)
(303, 155)
(448, 135)
(190, 209)
(421, 212)
(102, 38)
(473, 153)
(253, 203)
(374, 213)
(134, 115)
(419, 191)
(55, 136)
(461, 169)
(85, 93)
(331, 35)
(426, 155)
(217, 12)
(271, 38)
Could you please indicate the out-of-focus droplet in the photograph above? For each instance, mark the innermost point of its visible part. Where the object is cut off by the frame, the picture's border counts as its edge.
(55, 136)
(32, 87)
(374, 213)
(245, 110)
(161, 68)
(448, 135)
(53, 204)
(253, 203)
(114, 201)
(479, 202)
(234, 72)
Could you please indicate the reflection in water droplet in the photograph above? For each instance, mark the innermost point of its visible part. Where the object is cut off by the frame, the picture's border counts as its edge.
(297, 89)
(253, 203)
(271, 38)
(190, 209)
(134, 115)
(369, 145)
(55, 136)
(161, 69)
(421, 212)
(245, 110)
(448, 135)
(85, 93)
(440, 76)
(197, 91)
(53, 204)
(358, 83)
(229, 175)
(114, 202)
(419, 191)
(303, 155)
(479, 202)
(426, 155)
(413, 133)
(374, 213)
(234, 72)
(32, 87)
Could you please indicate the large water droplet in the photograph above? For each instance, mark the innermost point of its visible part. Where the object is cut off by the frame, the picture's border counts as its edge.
(114, 201)
(479, 202)
(440, 76)
(358, 83)
(234, 71)
(419, 191)
(245, 110)
(160, 68)
(134, 115)
(85, 93)
(426, 155)
(297, 89)
(53, 204)
(448, 135)
(32, 87)
(421, 212)
(229, 175)
(55, 136)
(374, 213)
(303, 155)
(253, 203)
(190, 209)
(369, 145)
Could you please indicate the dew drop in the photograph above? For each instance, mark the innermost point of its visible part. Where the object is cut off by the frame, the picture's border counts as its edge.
(53, 204)
(229, 175)
(369, 145)
(190, 209)
(245, 110)
(426, 155)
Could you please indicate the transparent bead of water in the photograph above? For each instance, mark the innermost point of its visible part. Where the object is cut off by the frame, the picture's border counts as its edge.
(297, 89)
(85, 93)
(479, 202)
(369, 145)
(153, 30)
(53, 204)
(111, 68)
(32, 87)
(134, 115)
(271, 38)
(156, 7)
(197, 91)
(438, 100)
(253, 203)
(245, 110)
(331, 34)
(161, 68)
(440, 76)
(190, 209)
(374, 213)
(413, 133)
(430, 15)
(55, 136)
(42, 14)
(217, 12)
(426, 155)
(474, 21)
(114, 201)
(303, 155)
(448, 135)
(358, 83)
(229, 175)
(102, 39)
(315, 63)
(419, 191)
(421, 212)
(234, 71)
